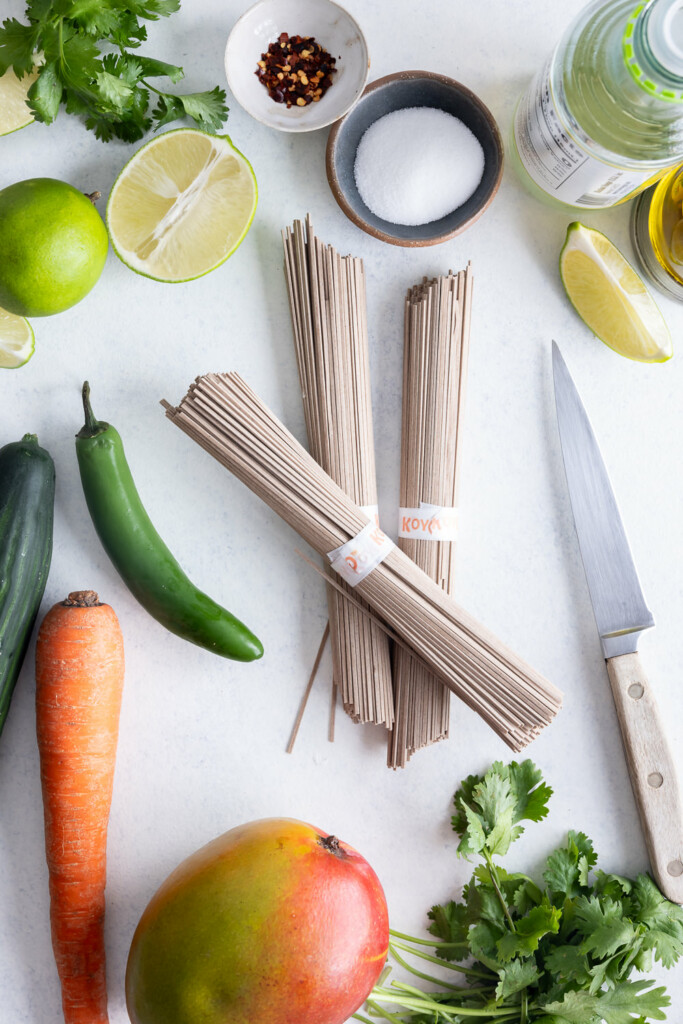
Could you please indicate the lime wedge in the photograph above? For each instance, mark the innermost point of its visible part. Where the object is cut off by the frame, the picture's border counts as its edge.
(181, 205)
(17, 341)
(14, 110)
(610, 297)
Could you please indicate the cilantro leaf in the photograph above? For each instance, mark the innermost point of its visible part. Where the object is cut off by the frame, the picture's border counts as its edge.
(95, 17)
(562, 874)
(517, 975)
(504, 796)
(128, 32)
(473, 837)
(483, 905)
(621, 1004)
(116, 93)
(568, 868)
(158, 69)
(626, 1004)
(532, 793)
(464, 796)
(615, 886)
(482, 939)
(153, 9)
(38, 10)
(79, 60)
(208, 109)
(603, 925)
(17, 46)
(449, 923)
(575, 1008)
(568, 964)
(529, 930)
(663, 921)
(168, 109)
(45, 94)
(584, 847)
(526, 896)
(493, 796)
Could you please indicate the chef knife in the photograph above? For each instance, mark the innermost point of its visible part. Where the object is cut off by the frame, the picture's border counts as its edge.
(621, 615)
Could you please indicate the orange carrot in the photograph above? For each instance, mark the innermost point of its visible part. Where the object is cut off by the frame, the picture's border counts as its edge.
(79, 682)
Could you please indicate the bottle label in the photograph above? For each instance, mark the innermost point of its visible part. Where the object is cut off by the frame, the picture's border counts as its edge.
(558, 163)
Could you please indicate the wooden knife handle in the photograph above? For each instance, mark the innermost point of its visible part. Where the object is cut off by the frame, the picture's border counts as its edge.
(652, 770)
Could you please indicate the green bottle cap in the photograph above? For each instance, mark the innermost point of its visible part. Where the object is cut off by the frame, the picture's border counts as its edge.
(665, 46)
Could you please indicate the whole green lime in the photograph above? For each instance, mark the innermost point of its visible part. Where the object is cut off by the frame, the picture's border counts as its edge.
(53, 246)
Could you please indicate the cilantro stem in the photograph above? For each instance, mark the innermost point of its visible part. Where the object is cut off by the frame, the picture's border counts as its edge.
(524, 1008)
(423, 1003)
(495, 882)
(379, 1011)
(60, 37)
(435, 943)
(152, 89)
(443, 963)
(428, 977)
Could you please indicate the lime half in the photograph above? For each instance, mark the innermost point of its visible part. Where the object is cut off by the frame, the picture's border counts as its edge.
(610, 297)
(15, 112)
(181, 205)
(17, 341)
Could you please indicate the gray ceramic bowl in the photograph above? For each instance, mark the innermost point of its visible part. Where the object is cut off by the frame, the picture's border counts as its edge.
(394, 92)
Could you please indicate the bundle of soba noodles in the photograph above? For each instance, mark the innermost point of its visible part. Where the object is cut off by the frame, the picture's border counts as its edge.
(435, 353)
(223, 415)
(327, 302)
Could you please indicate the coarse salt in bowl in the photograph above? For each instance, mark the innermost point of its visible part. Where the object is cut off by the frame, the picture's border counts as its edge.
(416, 165)
(417, 160)
(331, 26)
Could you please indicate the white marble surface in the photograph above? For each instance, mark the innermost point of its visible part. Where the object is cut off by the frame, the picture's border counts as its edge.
(202, 740)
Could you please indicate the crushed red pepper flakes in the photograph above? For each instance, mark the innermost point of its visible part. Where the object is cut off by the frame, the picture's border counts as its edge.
(296, 70)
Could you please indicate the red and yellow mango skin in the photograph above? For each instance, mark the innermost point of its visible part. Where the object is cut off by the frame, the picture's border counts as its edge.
(274, 922)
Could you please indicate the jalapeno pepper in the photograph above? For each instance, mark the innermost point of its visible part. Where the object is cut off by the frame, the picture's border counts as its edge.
(145, 564)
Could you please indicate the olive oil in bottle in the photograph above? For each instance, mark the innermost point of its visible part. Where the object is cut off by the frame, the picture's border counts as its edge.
(604, 118)
(657, 233)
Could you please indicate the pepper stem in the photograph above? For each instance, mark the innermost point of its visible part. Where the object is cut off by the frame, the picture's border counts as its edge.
(91, 427)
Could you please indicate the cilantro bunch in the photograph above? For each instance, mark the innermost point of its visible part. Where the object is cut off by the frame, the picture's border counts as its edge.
(559, 954)
(82, 48)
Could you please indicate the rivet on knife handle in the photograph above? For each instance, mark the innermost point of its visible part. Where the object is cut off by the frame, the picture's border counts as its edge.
(652, 771)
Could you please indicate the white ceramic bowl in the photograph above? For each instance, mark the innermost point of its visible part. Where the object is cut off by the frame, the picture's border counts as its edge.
(332, 27)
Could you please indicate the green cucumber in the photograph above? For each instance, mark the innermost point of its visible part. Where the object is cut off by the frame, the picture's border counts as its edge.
(27, 498)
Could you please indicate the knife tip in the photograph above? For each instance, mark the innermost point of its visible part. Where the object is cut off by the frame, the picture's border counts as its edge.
(558, 361)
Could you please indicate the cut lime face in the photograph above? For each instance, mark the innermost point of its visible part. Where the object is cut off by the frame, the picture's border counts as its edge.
(611, 298)
(181, 205)
(14, 110)
(17, 341)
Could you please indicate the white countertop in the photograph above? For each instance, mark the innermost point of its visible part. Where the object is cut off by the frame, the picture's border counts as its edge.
(202, 740)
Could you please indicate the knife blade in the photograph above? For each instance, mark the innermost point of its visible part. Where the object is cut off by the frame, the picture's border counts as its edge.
(621, 615)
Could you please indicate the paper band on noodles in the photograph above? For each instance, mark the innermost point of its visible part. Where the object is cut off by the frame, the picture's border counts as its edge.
(428, 522)
(360, 555)
(372, 512)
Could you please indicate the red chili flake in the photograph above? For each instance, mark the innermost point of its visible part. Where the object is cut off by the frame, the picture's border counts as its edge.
(296, 70)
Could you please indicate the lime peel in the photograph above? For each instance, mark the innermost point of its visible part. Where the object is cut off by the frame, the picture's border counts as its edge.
(611, 298)
(181, 205)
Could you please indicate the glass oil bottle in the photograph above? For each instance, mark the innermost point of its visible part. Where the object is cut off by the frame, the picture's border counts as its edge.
(603, 119)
